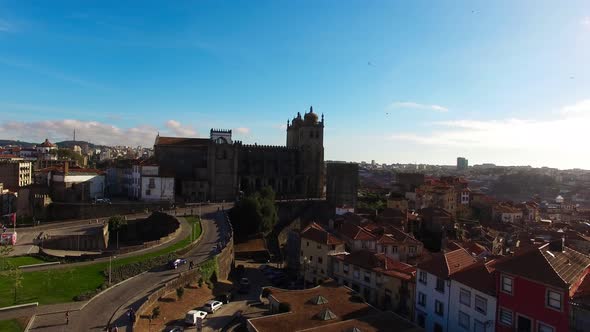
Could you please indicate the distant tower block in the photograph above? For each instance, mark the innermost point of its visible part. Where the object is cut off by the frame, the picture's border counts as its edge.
(462, 164)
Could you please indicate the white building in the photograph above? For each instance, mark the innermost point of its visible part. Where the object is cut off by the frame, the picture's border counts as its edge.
(433, 288)
(147, 184)
(472, 299)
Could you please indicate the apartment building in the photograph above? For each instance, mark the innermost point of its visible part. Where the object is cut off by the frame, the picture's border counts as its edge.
(316, 246)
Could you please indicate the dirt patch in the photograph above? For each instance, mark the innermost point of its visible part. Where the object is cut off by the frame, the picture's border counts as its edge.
(172, 310)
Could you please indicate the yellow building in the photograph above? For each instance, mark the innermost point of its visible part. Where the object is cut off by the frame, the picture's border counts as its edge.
(316, 245)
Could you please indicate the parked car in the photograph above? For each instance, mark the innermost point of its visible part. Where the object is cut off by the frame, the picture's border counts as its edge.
(244, 285)
(174, 329)
(174, 264)
(225, 298)
(192, 316)
(212, 306)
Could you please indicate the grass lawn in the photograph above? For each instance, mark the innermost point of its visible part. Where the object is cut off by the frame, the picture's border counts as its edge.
(20, 261)
(62, 285)
(10, 326)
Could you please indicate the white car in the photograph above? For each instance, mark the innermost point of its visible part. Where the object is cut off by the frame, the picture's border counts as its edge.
(193, 315)
(212, 306)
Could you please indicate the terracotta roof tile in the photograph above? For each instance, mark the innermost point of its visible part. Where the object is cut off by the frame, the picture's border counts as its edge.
(356, 232)
(479, 276)
(444, 265)
(183, 141)
(548, 266)
(385, 321)
(303, 314)
(318, 234)
(380, 263)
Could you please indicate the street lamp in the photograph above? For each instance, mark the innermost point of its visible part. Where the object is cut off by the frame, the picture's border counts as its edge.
(111, 268)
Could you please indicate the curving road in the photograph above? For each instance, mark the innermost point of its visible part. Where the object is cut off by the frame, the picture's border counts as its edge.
(112, 305)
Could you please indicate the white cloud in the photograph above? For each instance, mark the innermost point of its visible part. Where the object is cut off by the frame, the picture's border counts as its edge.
(561, 140)
(242, 130)
(177, 129)
(417, 106)
(91, 131)
(582, 106)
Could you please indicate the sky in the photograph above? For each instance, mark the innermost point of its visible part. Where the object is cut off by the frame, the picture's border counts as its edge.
(505, 82)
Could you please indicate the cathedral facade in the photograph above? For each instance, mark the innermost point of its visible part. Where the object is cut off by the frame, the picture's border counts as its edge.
(218, 168)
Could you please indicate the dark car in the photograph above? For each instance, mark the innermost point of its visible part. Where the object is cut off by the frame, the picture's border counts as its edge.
(174, 264)
(225, 298)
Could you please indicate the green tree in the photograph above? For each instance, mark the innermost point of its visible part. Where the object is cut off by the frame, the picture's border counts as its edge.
(4, 253)
(116, 224)
(68, 154)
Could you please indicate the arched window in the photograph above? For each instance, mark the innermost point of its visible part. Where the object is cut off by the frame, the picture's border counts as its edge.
(220, 140)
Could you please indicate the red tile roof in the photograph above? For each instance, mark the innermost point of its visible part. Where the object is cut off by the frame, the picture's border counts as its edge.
(318, 234)
(444, 265)
(183, 141)
(548, 265)
(385, 321)
(379, 263)
(355, 232)
(479, 276)
(303, 314)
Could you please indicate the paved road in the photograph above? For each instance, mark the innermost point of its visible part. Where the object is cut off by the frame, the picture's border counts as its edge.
(114, 303)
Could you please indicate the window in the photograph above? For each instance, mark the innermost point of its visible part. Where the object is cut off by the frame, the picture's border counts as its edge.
(478, 326)
(152, 183)
(421, 299)
(440, 285)
(422, 277)
(148, 192)
(505, 317)
(319, 246)
(507, 284)
(438, 307)
(481, 305)
(345, 268)
(553, 300)
(367, 276)
(320, 260)
(311, 259)
(301, 253)
(356, 273)
(394, 250)
(465, 297)
(464, 320)
(333, 247)
(336, 266)
(307, 243)
(412, 250)
(542, 327)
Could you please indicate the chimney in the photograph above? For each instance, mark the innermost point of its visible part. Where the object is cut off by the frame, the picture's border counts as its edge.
(66, 168)
(557, 245)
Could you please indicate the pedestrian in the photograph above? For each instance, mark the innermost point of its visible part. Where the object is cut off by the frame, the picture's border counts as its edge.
(67, 318)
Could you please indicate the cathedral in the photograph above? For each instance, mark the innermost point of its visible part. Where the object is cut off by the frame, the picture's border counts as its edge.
(218, 168)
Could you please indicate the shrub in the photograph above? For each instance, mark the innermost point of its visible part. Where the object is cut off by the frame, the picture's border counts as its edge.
(200, 282)
(155, 312)
(179, 292)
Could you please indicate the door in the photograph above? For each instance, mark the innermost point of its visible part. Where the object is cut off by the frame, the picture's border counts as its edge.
(524, 324)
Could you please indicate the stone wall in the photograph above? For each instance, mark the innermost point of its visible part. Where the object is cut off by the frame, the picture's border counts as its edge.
(63, 211)
(184, 279)
(225, 259)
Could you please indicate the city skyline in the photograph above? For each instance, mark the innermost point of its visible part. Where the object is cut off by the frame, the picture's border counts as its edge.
(504, 83)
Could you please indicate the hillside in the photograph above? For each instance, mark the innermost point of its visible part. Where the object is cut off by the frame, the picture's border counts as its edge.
(63, 144)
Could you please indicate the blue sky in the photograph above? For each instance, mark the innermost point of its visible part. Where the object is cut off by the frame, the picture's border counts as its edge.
(398, 81)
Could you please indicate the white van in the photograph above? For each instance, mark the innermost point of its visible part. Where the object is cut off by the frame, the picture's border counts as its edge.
(194, 315)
